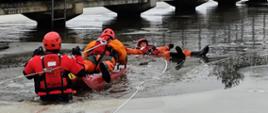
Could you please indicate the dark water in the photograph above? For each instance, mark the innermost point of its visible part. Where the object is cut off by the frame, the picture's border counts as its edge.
(242, 25)
(229, 31)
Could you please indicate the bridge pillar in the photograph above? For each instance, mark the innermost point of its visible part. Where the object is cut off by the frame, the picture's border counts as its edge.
(184, 6)
(131, 10)
(227, 2)
(44, 20)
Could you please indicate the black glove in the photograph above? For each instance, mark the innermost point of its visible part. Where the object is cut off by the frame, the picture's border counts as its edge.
(151, 50)
(170, 46)
(76, 51)
(38, 51)
(110, 49)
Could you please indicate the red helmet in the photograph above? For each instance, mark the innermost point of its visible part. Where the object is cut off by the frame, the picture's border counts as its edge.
(52, 41)
(108, 33)
(142, 40)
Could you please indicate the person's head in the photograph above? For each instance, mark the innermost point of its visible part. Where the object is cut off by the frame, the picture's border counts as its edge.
(142, 43)
(52, 41)
(107, 34)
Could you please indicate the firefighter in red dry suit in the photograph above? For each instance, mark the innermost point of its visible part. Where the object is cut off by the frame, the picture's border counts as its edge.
(50, 70)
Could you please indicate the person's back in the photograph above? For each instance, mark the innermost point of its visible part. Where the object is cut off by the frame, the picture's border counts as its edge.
(50, 70)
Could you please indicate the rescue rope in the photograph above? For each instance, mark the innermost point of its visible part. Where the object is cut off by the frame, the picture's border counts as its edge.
(32, 74)
(101, 44)
(44, 71)
(166, 65)
(138, 88)
(166, 62)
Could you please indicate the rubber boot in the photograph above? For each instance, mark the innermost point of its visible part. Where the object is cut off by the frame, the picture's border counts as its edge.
(201, 53)
(178, 57)
(180, 54)
(105, 73)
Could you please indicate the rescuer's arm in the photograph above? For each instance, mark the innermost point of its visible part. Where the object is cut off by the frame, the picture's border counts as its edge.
(28, 69)
(131, 51)
(76, 52)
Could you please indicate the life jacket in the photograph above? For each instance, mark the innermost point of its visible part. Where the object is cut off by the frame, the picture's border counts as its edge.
(96, 51)
(120, 49)
(54, 80)
(88, 46)
(114, 43)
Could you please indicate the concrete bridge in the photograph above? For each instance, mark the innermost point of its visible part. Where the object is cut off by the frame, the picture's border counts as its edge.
(55, 12)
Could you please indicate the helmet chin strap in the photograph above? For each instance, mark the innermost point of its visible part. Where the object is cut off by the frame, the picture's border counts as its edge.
(142, 48)
(102, 41)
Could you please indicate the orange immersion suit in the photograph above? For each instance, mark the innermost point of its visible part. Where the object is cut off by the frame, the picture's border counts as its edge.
(162, 51)
(111, 53)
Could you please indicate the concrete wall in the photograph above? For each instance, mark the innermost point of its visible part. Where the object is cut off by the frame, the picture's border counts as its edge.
(30, 6)
(44, 19)
(186, 5)
(40, 10)
(100, 3)
(130, 10)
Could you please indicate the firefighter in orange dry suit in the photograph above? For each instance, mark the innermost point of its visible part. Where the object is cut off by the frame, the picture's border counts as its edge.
(143, 48)
(101, 55)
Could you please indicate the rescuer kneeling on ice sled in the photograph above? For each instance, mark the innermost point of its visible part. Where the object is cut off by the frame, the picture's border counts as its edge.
(102, 54)
(50, 70)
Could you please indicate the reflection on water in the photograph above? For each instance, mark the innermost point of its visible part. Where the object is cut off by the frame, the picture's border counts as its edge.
(36, 35)
(120, 24)
(238, 25)
(123, 26)
(227, 69)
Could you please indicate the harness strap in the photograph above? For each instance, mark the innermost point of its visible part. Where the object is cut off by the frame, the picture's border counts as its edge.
(100, 59)
(43, 76)
(61, 75)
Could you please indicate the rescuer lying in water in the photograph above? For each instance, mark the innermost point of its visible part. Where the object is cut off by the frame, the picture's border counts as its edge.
(143, 48)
